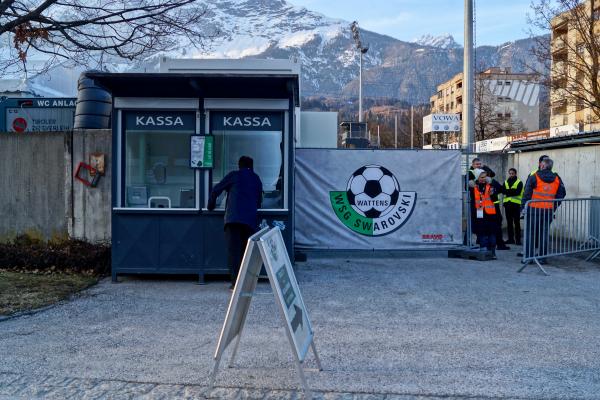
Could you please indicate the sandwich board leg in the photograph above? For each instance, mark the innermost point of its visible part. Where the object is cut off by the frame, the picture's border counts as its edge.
(213, 375)
(314, 349)
(307, 392)
(235, 347)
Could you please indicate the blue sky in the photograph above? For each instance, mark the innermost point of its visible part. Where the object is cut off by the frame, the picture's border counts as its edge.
(497, 21)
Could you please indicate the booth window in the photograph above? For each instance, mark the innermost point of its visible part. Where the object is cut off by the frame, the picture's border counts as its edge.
(261, 141)
(157, 161)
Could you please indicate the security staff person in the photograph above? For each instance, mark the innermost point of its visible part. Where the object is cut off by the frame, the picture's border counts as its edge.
(485, 211)
(513, 194)
(544, 186)
(475, 165)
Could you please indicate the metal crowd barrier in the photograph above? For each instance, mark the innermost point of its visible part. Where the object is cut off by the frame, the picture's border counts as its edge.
(568, 226)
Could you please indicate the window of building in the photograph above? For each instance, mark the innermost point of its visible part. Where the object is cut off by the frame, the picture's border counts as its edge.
(253, 134)
(440, 94)
(596, 15)
(579, 104)
(157, 160)
(507, 83)
(452, 105)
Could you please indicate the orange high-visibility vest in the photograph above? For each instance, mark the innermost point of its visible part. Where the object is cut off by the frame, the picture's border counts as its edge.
(544, 191)
(484, 200)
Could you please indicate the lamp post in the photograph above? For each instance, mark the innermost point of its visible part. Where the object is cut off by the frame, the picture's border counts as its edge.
(362, 50)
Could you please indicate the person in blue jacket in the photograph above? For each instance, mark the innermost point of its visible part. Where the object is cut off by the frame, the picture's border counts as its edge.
(244, 198)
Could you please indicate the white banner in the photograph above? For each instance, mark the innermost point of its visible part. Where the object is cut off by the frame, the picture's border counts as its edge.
(441, 123)
(378, 199)
(564, 130)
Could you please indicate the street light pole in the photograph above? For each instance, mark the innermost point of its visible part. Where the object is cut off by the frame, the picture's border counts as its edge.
(360, 113)
(361, 50)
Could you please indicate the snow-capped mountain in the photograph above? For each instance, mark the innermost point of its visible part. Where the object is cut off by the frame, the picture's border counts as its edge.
(445, 41)
(326, 50)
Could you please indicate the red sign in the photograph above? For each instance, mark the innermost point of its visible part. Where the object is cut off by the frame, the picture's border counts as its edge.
(19, 124)
(535, 135)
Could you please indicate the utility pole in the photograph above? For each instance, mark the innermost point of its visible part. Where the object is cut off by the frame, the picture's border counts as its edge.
(468, 110)
(396, 131)
(468, 88)
(412, 126)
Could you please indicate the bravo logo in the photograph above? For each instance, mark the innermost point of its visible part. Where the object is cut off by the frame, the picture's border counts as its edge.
(373, 204)
(158, 120)
(246, 121)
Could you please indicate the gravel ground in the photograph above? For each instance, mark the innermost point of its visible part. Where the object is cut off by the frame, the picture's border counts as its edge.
(387, 326)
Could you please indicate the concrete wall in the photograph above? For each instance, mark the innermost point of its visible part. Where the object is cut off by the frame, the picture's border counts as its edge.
(579, 167)
(32, 183)
(89, 216)
(38, 192)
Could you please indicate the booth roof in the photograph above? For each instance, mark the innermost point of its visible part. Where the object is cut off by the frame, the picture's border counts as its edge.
(183, 85)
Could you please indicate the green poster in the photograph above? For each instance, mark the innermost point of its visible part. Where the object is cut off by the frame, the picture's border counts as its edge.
(201, 151)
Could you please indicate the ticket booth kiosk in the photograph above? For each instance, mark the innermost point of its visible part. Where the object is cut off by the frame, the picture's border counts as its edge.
(175, 135)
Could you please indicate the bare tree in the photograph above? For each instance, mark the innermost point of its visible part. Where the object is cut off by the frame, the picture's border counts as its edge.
(491, 119)
(573, 56)
(84, 31)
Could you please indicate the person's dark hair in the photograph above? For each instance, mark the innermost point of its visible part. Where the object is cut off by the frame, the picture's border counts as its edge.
(246, 162)
(512, 169)
(475, 160)
(543, 157)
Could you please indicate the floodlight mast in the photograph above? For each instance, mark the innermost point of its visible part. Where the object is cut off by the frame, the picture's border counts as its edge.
(362, 50)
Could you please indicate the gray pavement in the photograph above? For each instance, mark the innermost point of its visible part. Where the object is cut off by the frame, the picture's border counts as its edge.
(386, 328)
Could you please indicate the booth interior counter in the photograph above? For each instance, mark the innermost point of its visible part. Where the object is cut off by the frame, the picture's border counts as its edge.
(176, 134)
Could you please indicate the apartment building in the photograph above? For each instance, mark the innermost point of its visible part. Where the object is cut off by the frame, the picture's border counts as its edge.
(512, 96)
(570, 57)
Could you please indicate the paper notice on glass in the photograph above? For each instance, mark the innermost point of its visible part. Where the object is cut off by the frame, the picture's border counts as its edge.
(201, 151)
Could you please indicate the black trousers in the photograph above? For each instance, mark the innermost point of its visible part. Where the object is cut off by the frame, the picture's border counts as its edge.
(513, 221)
(537, 231)
(236, 238)
(499, 240)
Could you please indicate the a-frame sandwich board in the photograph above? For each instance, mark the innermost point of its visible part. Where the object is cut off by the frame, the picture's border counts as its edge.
(267, 247)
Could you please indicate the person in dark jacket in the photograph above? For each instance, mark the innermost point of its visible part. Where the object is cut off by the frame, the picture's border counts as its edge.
(543, 185)
(476, 164)
(244, 198)
(485, 211)
(513, 193)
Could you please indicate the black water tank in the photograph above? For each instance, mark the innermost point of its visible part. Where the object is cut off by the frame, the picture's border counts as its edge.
(94, 104)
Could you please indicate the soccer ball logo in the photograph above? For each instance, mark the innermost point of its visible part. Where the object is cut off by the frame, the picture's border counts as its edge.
(373, 191)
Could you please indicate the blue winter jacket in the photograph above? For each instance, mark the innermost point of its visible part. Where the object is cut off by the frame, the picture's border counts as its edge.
(244, 197)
